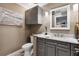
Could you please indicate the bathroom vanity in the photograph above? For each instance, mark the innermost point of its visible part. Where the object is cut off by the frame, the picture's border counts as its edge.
(47, 46)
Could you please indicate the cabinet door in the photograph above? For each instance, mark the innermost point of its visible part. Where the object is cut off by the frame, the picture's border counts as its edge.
(40, 50)
(62, 51)
(40, 47)
(74, 49)
(73, 53)
(50, 50)
(34, 15)
(31, 16)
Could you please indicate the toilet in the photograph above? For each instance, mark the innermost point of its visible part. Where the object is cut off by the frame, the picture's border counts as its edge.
(28, 48)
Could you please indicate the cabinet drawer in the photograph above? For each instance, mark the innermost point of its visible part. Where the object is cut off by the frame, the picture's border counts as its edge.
(63, 44)
(40, 39)
(49, 41)
(40, 43)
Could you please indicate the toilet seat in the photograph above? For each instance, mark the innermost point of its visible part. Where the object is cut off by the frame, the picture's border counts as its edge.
(27, 45)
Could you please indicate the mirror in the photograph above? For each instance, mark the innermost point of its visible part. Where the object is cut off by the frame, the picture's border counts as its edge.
(60, 18)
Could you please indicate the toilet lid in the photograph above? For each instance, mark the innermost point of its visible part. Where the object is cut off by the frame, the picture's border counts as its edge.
(27, 45)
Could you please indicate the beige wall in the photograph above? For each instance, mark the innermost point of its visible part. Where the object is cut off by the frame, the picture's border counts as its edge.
(73, 19)
(11, 37)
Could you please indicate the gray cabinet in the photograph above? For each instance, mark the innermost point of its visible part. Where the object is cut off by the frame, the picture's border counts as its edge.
(34, 15)
(48, 47)
(73, 53)
(40, 47)
(73, 50)
(62, 51)
(50, 50)
(40, 50)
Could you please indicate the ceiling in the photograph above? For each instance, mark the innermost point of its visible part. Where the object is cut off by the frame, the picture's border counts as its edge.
(50, 6)
(45, 6)
(30, 5)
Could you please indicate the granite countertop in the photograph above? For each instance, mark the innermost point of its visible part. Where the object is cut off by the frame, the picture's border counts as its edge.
(63, 39)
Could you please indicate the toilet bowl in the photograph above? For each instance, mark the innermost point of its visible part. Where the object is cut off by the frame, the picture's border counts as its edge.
(27, 49)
